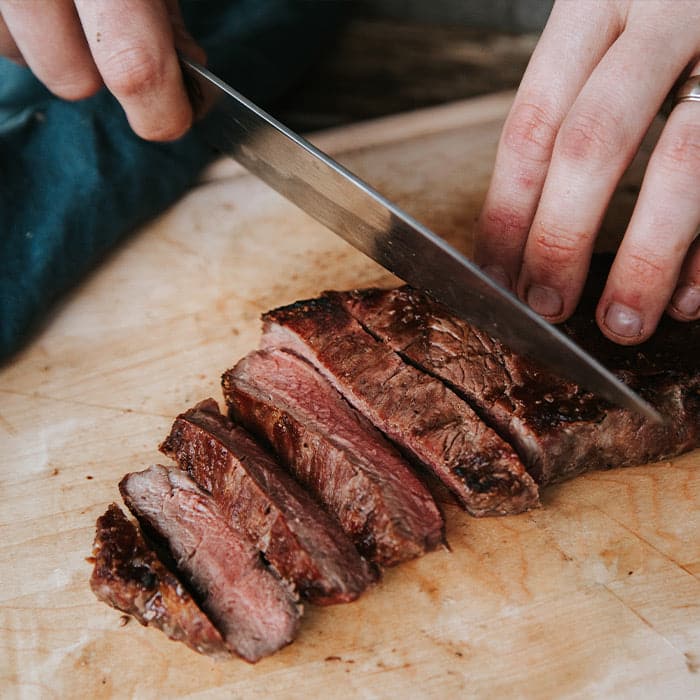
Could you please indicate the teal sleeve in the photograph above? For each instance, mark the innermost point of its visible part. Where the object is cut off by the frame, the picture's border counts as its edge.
(74, 178)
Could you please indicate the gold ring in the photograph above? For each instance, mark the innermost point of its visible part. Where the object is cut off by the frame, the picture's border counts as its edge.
(690, 90)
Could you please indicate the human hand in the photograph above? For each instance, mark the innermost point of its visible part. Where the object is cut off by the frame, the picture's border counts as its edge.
(76, 46)
(596, 80)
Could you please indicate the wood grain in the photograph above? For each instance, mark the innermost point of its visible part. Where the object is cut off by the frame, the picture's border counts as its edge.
(595, 594)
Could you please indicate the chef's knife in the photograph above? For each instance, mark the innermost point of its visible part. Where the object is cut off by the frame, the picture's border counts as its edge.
(364, 218)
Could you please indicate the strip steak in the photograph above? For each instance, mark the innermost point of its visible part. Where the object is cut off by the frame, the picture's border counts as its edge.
(337, 454)
(129, 576)
(254, 611)
(558, 428)
(258, 497)
(415, 410)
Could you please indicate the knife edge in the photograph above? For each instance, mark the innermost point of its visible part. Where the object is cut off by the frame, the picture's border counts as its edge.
(351, 208)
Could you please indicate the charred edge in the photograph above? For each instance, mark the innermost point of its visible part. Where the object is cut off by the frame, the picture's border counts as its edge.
(479, 479)
(281, 428)
(479, 476)
(129, 544)
(479, 411)
(319, 307)
(123, 554)
(179, 440)
(159, 545)
(169, 446)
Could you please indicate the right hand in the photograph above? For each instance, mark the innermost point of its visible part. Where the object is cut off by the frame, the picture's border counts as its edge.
(76, 46)
(596, 81)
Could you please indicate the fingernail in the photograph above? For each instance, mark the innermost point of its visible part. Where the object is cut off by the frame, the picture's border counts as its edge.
(497, 274)
(544, 300)
(623, 320)
(687, 300)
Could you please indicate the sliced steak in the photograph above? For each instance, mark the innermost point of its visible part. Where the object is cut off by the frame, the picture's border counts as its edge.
(129, 576)
(298, 538)
(558, 428)
(415, 410)
(337, 454)
(255, 612)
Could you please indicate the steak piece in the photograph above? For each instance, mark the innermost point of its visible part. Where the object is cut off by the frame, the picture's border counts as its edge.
(259, 498)
(337, 454)
(129, 576)
(254, 611)
(558, 428)
(415, 410)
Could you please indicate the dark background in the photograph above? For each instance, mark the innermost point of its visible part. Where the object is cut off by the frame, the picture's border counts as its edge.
(397, 55)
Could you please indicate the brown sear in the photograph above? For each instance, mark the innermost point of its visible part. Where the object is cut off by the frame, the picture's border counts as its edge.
(129, 576)
(258, 497)
(425, 418)
(337, 454)
(255, 611)
(558, 428)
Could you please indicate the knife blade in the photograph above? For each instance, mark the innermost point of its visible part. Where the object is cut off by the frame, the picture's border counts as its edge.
(360, 215)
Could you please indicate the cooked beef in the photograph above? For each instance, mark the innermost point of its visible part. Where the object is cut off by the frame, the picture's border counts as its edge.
(129, 576)
(255, 612)
(558, 428)
(418, 412)
(337, 454)
(298, 538)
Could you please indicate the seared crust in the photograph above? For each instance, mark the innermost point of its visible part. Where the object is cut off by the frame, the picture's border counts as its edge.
(129, 576)
(418, 412)
(256, 613)
(558, 428)
(298, 538)
(337, 454)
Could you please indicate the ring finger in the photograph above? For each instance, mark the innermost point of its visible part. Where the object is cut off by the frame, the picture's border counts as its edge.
(658, 238)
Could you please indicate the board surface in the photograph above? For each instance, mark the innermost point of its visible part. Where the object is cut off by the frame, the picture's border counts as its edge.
(595, 594)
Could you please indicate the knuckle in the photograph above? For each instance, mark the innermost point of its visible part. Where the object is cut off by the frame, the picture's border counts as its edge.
(530, 131)
(679, 152)
(528, 178)
(556, 246)
(132, 70)
(505, 223)
(590, 136)
(663, 221)
(643, 266)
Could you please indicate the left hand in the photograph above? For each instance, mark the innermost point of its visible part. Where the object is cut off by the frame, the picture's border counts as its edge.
(596, 80)
(74, 46)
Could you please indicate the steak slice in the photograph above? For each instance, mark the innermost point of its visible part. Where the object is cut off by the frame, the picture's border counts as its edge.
(129, 576)
(254, 611)
(415, 410)
(558, 428)
(258, 497)
(337, 454)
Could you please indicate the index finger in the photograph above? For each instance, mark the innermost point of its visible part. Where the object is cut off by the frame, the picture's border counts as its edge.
(133, 46)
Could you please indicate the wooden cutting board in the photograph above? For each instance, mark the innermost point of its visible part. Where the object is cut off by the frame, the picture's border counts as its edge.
(595, 594)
